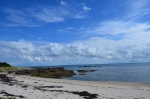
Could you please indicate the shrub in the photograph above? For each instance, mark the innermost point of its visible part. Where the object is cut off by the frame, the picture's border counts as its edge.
(4, 64)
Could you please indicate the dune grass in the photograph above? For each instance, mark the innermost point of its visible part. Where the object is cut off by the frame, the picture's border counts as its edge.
(7, 69)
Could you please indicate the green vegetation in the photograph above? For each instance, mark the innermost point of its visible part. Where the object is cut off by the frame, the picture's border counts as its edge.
(5, 67)
(58, 72)
(8, 69)
(47, 72)
(4, 64)
(4, 97)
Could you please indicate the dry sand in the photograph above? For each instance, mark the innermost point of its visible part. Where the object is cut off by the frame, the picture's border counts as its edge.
(27, 87)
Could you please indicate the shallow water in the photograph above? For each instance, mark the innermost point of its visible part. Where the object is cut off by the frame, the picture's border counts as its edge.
(139, 72)
(124, 72)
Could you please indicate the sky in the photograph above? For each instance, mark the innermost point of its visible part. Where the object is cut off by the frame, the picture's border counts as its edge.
(64, 32)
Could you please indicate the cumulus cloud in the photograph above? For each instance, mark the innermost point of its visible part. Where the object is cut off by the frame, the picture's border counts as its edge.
(108, 41)
(94, 49)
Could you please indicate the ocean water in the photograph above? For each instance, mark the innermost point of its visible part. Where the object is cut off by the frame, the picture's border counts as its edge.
(124, 72)
(137, 72)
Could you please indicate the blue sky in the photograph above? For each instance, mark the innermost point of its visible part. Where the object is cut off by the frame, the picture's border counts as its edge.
(55, 32)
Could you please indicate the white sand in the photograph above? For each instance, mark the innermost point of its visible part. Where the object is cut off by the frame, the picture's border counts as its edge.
(105, 90)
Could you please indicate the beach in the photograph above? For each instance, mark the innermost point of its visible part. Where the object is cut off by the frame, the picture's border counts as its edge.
(27, 87)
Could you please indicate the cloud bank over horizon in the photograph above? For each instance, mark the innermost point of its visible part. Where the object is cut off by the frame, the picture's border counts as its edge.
(75, 36)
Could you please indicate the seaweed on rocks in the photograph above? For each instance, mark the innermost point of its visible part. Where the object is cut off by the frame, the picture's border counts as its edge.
(11, 95)
(83, 71)
(47, 72)
(5, 79)
(86, 95)
(89, 66)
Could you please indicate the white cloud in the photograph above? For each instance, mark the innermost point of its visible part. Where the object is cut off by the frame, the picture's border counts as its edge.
(43, 14)
(86, 9)
(119, 27)
(49, 14)
(66, 29)
(63, 3)
(17, 16)
(138, 9)
(78, 16)
(109, 41)
(93, 50)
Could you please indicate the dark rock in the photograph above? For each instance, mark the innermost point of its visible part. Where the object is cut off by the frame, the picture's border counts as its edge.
(86, 94)
(84, 71)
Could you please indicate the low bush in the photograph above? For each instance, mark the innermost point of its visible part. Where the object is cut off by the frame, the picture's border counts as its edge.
(4, 64)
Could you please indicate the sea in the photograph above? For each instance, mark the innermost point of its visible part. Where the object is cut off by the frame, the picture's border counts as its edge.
(119, 72)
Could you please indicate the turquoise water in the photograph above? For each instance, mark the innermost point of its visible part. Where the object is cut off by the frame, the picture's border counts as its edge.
(139, 72)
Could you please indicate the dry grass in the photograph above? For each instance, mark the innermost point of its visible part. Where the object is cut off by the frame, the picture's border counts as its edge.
(7, 69)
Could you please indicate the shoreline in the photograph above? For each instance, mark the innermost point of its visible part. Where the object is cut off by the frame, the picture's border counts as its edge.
(29, 87)
(89, 82)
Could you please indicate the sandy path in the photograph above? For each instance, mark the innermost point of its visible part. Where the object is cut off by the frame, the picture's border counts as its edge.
(27, 87)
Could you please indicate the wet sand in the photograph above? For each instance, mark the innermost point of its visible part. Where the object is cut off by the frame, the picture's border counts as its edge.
(27, 87)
